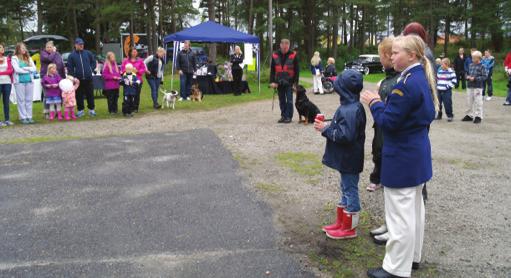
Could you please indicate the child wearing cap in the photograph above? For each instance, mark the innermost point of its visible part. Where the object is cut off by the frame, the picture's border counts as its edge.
(344, 152)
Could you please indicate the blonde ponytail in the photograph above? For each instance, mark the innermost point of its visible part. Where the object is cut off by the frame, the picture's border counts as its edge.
(430, 75)
(415, 44)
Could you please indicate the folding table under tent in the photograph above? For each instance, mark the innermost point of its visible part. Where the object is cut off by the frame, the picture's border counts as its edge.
(212, 32)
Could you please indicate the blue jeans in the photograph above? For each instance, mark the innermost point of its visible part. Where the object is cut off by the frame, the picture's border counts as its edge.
(349, 192)
(185, 81)
(154, 83)
(445, 99)
(488, 85)
(5, 91)
(286, 101)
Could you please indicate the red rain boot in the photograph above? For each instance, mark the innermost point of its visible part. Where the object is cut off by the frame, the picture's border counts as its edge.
(73, 114)
(350, 223)
(66, 115)
(52, 115)
(59, 115)
(338, 221)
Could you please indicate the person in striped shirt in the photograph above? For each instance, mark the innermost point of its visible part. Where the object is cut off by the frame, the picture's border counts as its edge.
(446, 80)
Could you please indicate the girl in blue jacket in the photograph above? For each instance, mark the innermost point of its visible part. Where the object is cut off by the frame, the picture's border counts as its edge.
(406, 155)
(344, 151)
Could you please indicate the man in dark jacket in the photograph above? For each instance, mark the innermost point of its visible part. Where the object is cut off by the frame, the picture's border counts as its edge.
(459, 68)
(81, 65)
(345, 149)
(285, 73)
(186, 65)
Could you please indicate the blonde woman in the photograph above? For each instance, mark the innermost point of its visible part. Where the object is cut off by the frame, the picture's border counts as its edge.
(24, 68)
(330, 70)
(111, 75)
(237, 70)
(406, 161)
(316, 70)
(155, 65)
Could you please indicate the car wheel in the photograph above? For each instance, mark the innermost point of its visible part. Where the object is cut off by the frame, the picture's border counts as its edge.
(366, 70)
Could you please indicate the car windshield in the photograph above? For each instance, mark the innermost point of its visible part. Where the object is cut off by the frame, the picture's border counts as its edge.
(364, 59)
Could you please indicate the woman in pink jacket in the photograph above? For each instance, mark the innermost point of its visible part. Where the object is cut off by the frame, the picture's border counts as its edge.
(6, 72)
(140, 70)
(111, 76)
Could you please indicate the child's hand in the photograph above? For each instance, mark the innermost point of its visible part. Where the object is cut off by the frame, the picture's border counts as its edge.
(319, 125)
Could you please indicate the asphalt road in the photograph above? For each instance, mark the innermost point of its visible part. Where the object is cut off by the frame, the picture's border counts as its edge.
(158, 205)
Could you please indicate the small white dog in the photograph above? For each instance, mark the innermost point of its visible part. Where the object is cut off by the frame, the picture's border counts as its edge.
(169, 98)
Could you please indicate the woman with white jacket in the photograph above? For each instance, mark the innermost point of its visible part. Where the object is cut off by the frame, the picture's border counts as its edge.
(24, 68)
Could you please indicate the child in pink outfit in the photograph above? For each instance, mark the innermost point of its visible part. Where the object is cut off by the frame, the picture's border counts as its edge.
(68, 87)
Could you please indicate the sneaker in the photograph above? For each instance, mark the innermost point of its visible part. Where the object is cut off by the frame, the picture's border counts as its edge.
(287, 121)
(180, 99)
(8, 123)
(188, 98)
(31, 121)
(488, 98)
(281, 120)
(507, 103)
(449, 119)
(373, 187)
(157, 106)
(80, 114)
(381, 239)
(439, 116)
(92, 113)
(477, 120)
(2, 124)
(467, 118)
(25, 121)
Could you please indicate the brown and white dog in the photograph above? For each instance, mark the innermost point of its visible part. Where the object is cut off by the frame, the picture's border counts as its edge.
(169, 98)
(196, 93)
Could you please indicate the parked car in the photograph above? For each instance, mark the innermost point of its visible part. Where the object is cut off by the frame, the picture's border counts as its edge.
(366, 64)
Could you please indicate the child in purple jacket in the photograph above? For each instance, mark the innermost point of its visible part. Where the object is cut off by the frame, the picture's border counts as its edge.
(111, 76)
(52, 93)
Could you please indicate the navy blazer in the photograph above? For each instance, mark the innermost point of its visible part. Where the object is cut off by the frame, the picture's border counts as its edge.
(405, 120)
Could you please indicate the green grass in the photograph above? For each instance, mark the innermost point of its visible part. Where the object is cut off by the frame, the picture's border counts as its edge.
(374, 77)
(269, 187)
(306, 164)
(352, 257)
(32, 140)
(209, 102)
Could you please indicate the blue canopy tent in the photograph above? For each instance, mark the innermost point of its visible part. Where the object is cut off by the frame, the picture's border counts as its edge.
(213, 32)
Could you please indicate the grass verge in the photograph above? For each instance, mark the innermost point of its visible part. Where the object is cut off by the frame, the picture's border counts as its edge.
(305, 164)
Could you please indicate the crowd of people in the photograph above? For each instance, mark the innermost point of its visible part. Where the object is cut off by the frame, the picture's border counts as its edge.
(20, 71)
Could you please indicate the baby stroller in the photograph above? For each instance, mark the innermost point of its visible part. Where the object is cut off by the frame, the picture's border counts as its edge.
(328, 84)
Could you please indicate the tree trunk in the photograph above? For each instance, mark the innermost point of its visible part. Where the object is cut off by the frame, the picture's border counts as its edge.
(344, 26)
(97, 33)
(251, 17)
(40, 18)
(211, 15)
(447, 32)
(173, 24)
(335, 35)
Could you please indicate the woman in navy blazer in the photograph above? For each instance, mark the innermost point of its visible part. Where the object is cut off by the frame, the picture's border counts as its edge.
(406, 154)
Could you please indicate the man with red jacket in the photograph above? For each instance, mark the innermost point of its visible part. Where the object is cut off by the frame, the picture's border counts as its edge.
(284, 74)
(507, 67)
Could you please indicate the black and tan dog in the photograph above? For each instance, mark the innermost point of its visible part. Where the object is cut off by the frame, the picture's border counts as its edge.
(304, 106)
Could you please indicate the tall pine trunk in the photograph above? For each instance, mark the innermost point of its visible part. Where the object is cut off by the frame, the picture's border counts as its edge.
(211, 15)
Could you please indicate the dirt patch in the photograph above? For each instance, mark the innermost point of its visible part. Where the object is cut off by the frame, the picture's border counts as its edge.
(467, 215)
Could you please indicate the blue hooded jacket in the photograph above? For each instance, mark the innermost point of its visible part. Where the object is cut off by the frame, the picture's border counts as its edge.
(344, 150)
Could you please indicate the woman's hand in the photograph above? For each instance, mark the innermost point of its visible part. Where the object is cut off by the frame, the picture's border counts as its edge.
(319, 125)
(368, 96)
